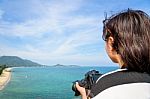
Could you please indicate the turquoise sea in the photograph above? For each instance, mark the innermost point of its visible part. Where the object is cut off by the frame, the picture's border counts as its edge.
(45, 82)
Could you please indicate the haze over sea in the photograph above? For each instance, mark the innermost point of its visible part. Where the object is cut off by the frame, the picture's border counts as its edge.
(45, 82)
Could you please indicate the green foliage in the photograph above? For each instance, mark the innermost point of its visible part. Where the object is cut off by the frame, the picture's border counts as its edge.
(2, 67)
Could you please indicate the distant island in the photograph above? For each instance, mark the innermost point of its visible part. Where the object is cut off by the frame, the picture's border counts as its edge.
(60, 65)
(15, 61)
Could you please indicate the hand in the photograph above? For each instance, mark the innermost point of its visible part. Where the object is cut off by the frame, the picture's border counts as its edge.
(81, 90)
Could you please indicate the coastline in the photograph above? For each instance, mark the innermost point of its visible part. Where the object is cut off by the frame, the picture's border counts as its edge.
(5, 78)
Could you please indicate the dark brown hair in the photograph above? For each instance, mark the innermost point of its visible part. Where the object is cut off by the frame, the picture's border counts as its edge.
(131, 32)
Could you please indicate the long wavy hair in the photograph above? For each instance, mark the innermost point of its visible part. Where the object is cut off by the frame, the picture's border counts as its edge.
(131, 32)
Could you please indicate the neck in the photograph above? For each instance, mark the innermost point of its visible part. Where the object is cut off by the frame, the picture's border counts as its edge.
(120, 62)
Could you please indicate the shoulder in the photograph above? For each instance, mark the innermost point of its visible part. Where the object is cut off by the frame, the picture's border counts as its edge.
(118, 80)
(126, 91)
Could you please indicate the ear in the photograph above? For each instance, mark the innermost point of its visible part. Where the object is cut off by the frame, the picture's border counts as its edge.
(110, 50)
(110, 42)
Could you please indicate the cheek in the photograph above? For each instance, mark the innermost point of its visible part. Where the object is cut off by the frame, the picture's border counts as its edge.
(110, 54)
(106, 48)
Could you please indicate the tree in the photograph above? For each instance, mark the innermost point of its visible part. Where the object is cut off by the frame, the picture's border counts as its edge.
(2, 67)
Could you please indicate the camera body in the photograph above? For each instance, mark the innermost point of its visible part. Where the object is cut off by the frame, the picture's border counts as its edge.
(89, 80)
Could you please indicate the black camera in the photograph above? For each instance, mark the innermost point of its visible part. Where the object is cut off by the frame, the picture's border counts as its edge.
(89, 80)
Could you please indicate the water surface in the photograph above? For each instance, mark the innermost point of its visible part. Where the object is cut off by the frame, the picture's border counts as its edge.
(45, 82)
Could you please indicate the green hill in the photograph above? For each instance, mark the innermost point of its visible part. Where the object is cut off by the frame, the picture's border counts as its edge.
(15, 61)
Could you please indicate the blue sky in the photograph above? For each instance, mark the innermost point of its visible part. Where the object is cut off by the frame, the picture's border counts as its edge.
(59, 31)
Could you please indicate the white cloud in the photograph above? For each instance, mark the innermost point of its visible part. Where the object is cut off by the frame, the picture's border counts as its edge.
(48, 27)
(50, 17)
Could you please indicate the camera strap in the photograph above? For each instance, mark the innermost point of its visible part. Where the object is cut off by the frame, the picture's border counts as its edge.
(118, 78)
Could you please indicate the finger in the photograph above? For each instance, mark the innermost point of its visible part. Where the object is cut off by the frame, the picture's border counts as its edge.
(77, 84)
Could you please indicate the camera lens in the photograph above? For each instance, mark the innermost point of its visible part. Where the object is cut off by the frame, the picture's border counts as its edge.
(74, 86)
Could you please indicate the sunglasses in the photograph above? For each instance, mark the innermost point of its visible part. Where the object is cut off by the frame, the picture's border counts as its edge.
(106, 32)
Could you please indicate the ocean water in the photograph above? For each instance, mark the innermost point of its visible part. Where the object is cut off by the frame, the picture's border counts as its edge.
(45, 82)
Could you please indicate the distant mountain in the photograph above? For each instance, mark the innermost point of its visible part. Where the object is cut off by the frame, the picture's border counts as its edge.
(15, 61)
